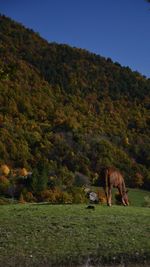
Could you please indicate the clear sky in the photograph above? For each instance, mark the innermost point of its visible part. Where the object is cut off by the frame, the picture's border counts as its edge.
(119, 29)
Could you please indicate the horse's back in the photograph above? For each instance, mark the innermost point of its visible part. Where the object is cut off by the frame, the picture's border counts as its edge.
(115, 178)
(111, 177)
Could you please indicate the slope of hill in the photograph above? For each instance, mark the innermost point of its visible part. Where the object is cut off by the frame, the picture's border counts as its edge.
(70, 110)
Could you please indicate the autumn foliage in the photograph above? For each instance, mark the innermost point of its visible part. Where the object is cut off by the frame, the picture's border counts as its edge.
(65, 113)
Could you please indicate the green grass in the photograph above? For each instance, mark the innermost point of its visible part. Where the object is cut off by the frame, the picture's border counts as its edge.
(47, 235)
(136, 196)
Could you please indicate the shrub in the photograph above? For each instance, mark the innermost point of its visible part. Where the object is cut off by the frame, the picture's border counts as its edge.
(52, 196)
(67, 198)
(78, 195)
(48, 196)
(101, 197)
(57, 194)
(29, 197)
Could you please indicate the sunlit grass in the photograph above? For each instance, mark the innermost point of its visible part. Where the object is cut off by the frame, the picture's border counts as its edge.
(34, 235)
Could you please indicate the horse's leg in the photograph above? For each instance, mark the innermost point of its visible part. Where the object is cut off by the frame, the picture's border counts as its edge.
(123, 202)
(107, 187)
(109, 196)
(106, 194)
(121, 194)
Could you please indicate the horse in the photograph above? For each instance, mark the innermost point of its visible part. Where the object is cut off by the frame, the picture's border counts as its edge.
(111, 177)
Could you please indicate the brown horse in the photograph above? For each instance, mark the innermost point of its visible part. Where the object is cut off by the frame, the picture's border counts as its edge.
(111, 177)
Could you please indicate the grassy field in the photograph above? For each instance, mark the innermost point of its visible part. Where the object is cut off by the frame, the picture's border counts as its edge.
(67, 235)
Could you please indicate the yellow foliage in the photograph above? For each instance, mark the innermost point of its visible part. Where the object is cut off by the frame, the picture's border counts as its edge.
(23, 172)
(101, 197)
(56, 196)
(126, 141)
(48, 195)
(4, 169)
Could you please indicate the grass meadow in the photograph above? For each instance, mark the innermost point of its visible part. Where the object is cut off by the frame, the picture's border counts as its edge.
(72, 235)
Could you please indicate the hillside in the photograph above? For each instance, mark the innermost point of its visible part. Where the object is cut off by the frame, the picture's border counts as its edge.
(70, 111)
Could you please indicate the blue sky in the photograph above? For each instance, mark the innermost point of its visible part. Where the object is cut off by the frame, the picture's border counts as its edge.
(119, 29)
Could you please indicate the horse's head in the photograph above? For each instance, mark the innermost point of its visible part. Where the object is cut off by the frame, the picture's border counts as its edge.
(125, 199)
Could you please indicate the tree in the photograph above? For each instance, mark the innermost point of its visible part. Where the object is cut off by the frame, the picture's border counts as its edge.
(39, 180)
(4, 185)
(33, 180)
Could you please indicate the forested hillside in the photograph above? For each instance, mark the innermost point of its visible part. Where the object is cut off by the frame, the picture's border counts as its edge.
(64, 111)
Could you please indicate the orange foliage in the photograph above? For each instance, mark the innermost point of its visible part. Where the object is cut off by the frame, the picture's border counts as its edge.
(101, 197)
(29, 197)
(56, 196)
(48, 195)
(23, 172)
(5, 169)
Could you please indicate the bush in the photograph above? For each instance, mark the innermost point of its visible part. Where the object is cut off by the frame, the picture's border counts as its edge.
(67, 198)
(28, 196)
(48, 196)
(101, 197)
(78, 195)
(56, 196)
